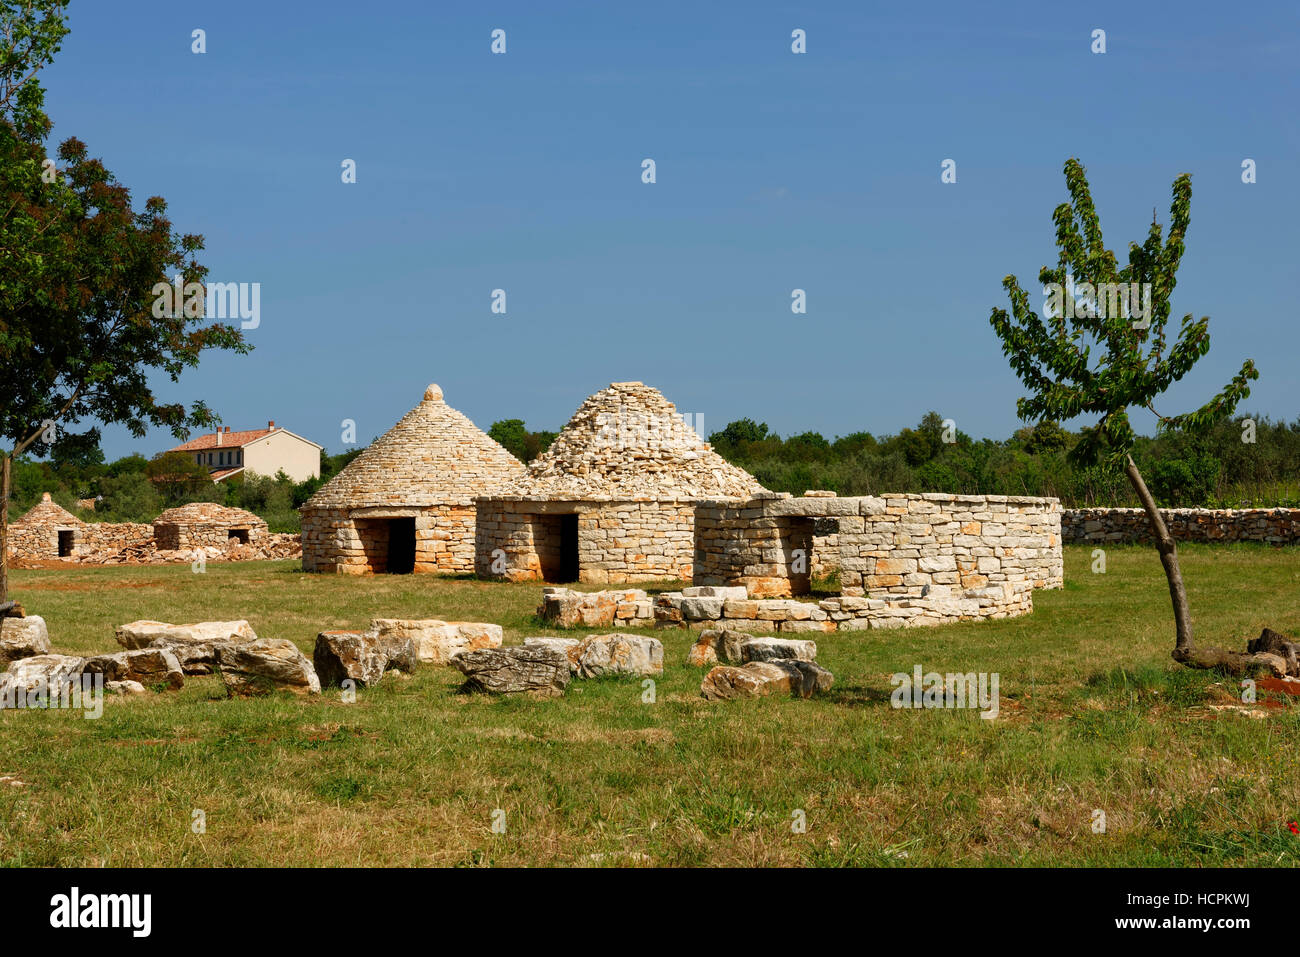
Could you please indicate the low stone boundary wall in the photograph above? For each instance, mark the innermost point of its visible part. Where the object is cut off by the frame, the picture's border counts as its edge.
(716, 607)
(888, 546)
(627, 607)
(1274, 526)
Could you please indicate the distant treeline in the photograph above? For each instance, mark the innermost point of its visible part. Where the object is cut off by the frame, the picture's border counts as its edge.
(1220, 469)
(136, 489)
(1216, 470)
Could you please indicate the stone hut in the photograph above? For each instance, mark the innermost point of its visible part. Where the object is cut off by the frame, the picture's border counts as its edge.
(405, 504)
(613, 498)
(45, 531)
(201, 524)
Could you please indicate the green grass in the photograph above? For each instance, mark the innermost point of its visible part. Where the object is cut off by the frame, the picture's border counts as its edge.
(1095, 715)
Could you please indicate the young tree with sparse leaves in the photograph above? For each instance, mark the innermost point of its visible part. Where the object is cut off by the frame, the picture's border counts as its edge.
(1101, 354)
(78, 265)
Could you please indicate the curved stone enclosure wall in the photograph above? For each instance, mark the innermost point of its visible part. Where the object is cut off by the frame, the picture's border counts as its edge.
(616, 541)
(357, 541)
(1274, 526)
(929, 557)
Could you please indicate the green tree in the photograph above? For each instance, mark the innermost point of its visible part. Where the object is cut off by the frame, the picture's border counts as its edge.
(1134, 363)
(79, 329)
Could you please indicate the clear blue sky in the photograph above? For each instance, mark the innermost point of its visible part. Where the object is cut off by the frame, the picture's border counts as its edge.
(775, 171)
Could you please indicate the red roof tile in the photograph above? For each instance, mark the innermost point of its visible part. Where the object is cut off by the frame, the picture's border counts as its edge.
(229, 440)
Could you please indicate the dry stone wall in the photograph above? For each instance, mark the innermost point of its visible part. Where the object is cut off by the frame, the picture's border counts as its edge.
(335, 541)
(1274, 526)
(617, 541)
(933, 556)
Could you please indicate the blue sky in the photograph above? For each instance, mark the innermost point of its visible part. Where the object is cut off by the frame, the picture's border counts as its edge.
(775, 171)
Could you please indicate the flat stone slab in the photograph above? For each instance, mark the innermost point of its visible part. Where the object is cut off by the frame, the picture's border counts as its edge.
(542, 672)
(142, 634)
(725, 592)
(437, 641)
(776, 649)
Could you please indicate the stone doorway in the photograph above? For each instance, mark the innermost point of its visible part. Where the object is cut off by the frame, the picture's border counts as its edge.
(238, 535)
(401, 546)
(555, 538)
(67, 539)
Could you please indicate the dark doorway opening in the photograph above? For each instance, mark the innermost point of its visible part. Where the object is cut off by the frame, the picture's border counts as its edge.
(568, 548)
(67, 539)
(401, 546)
(555, 537)
(239, 535)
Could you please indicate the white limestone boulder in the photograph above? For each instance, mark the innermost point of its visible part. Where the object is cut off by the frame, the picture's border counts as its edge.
(267, 664)
(436, 641)
(23, 638)
(618, 655)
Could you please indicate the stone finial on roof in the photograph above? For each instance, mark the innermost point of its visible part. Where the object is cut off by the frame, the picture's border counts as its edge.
(433, 393)
(45, 497)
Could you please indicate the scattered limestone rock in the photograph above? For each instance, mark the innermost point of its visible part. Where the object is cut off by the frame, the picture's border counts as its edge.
(719, 644)
(40, 671)
(566, 608)
(360, 655)
(773, 649)
(564, 646)
(618, 655)
(794, 677)
(436, 641)
(142, 634)
(542, 672)
(23, 638)
(147, 666)
(124, 687)
(267, 664)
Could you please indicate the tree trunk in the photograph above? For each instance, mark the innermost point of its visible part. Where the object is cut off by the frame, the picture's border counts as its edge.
(1183, 645)
(4, 528)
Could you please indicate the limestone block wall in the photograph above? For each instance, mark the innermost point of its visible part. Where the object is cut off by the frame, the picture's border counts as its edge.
(40, 542)
(891, 546)
(617, 541)
(1274, 526)
(97, 536)
(355, 542)
(200, 535)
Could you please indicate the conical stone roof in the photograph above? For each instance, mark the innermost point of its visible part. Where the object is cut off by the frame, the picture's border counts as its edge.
(207, 513)
(48, 513)
(434, 455)
(629, 443)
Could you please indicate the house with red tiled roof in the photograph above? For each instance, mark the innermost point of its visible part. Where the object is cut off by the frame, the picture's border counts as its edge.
(255, 452)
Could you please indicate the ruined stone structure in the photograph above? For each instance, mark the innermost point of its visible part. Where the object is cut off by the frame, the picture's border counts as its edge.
(405, 504)
(202, 524)
(934, 556)
(1274, 526)
(613, 498)
(45, 531)
(48, 532)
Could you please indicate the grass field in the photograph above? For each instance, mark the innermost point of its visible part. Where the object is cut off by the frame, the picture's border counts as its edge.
(1094, 715)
